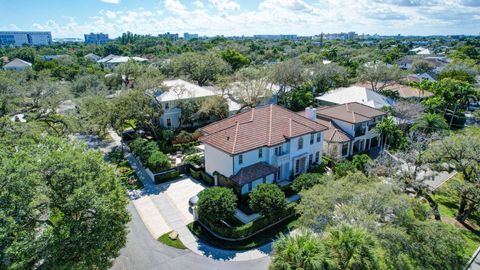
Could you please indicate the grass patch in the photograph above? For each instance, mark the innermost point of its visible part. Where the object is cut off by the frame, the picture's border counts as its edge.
(447, 198)
(252, 242)
(172, 243)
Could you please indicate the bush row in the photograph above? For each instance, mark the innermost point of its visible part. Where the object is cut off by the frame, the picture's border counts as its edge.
(203, 176)
(165, 177)
(248, 229)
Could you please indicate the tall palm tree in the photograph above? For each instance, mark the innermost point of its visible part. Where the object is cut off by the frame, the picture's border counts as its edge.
(430, 122)
(303, 250)
(353, 248)
(389, 131)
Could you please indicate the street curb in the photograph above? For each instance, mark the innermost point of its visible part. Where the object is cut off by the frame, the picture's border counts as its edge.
(472, 259)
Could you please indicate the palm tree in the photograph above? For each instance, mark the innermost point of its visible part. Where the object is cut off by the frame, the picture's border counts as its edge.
(353, 248)
(430, 122)
(389, 131)
(303, 250)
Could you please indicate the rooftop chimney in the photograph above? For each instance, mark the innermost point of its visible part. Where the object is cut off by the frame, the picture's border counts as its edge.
(311, 113)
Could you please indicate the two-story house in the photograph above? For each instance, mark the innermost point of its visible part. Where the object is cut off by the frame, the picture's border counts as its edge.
(350, 128)
(263, 145)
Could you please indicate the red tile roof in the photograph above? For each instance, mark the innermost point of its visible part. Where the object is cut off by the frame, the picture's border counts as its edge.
(334, 133)
(350, 112)
(263, 126)
(253, 172)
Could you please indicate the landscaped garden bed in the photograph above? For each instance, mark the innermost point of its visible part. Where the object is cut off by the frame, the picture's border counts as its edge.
(257, 240)
(124, 171)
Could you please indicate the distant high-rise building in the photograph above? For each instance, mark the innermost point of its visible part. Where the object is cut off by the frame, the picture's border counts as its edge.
(351, 35)
(188, 36)
(20, 38)
(168, 35)
(98, 38)
(276, 37)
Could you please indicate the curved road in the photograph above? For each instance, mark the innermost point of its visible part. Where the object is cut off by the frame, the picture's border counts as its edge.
(144, 252)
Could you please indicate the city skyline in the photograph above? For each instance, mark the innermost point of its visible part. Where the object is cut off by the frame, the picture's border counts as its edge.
(237, 18)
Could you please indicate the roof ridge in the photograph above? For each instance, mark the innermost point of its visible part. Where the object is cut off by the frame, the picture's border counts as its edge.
(235, 138)
(270, 126)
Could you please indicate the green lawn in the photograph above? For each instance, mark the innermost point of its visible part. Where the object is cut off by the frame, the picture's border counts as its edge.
(447, 199)
(252, 242)
(172, 243)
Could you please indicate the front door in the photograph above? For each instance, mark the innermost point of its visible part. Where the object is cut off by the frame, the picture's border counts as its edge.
(300, 165)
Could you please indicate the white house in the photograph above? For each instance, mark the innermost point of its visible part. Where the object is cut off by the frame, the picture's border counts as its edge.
(177, 91)
(268, 144)
(92, 57)
(350, 128)
(111, 60)
(17, 65)
(357, 94)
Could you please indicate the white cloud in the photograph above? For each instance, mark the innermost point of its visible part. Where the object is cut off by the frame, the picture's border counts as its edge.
(198, 4)
(281, 17)
(110, 14)
(225, 5)
(111, 1)
(175, 6)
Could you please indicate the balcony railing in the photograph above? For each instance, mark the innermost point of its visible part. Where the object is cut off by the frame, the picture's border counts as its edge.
(360, 132)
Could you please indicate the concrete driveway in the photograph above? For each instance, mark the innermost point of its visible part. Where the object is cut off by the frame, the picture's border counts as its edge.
(179, 192)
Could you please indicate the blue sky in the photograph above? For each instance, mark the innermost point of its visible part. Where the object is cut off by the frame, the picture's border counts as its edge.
(73, 18)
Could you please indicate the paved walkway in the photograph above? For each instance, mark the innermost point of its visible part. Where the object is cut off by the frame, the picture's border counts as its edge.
(475, 262)
(161, 215)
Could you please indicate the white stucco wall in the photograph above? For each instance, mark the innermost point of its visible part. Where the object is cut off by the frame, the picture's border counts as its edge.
(217, 160)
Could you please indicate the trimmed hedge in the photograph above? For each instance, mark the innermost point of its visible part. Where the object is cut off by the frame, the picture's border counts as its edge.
(162, 178)
(246, 230)
(203, 176)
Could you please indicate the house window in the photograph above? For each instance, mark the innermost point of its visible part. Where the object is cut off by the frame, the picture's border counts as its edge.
(250, 186)
(310, 159)
(260, 153)
(317, 157)
(345, 149)
(300, 143)
(319, 136)
(297, 166)
(278, 151)
(167, 106)
(312, 138)
(169, 122)
(240, 159)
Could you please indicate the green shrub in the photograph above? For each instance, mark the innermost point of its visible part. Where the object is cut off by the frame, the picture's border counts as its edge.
(306, 181)
(318, 168)
(194, 159)
(343, 168)
(165, 177)
(216, 203)
(195, 174)
(207, 178)
(158, 161)
(267, 199)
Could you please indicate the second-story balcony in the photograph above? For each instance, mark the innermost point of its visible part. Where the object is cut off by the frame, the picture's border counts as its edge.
(360, 131)
(280, 158)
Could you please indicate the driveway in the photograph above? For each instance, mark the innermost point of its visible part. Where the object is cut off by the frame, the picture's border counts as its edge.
(142, 251)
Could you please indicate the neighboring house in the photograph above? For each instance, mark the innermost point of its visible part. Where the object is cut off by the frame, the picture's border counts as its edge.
(350, 128)
(178, 90)
(52, 57)
(92, 57)
(408, 92)
(355, 93)
(267, 144)
(17, 65)
(421, 51)
(420, 77)
(111, 60)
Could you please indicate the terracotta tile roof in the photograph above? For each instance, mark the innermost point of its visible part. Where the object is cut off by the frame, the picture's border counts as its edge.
(405, 91)
(262, 126)
(253, 172)
(334, 133)
(350, 112)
